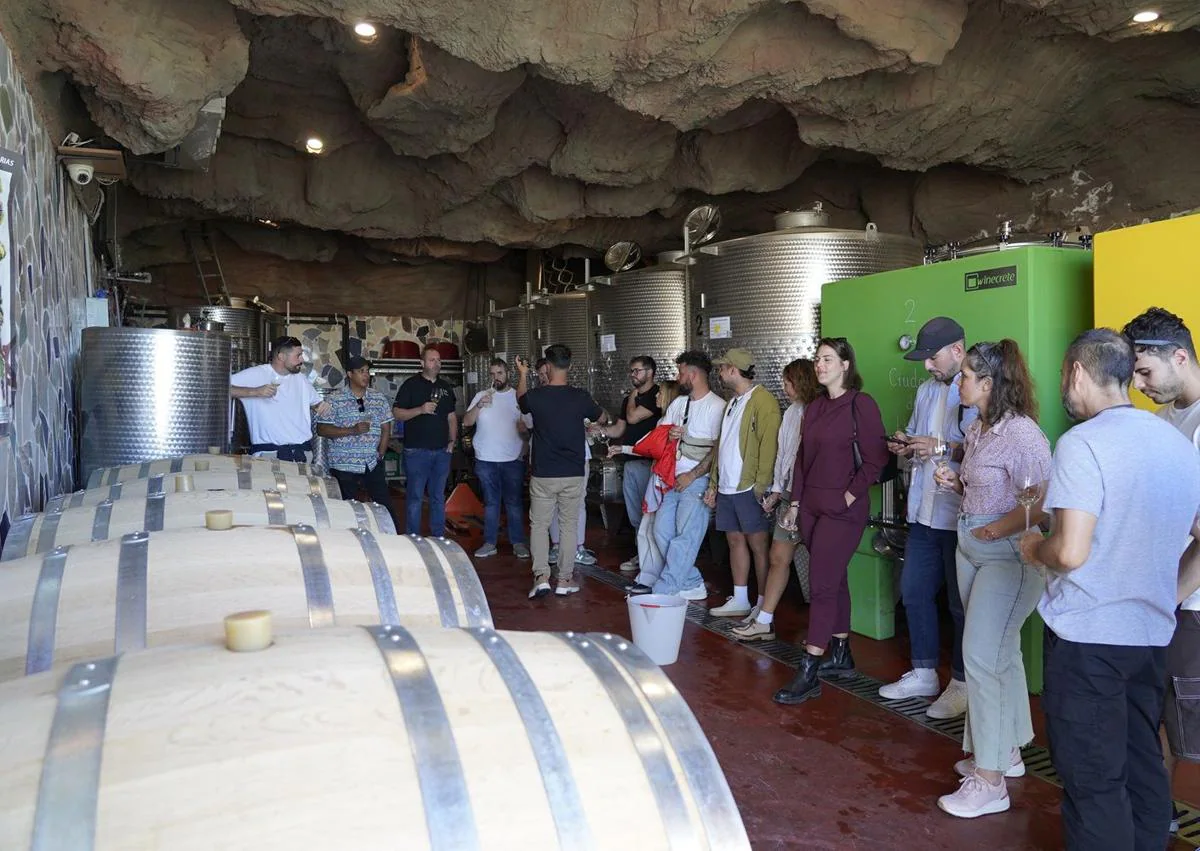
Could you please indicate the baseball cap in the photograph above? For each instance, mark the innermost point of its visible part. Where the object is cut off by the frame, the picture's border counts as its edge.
(741, 358)
(356, 363)
(934, 336)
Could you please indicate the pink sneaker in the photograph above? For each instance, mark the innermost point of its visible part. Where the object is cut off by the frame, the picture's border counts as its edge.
(966, 767)
(975, 797)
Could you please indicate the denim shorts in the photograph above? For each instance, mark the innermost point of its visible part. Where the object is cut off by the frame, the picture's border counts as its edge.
(741, 512)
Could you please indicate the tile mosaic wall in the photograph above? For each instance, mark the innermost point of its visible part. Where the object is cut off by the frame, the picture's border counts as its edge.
(52, 273)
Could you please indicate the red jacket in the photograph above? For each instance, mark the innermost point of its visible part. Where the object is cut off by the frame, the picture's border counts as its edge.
(658, 446)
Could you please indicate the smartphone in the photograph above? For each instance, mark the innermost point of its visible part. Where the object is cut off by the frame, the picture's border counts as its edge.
(902, 441)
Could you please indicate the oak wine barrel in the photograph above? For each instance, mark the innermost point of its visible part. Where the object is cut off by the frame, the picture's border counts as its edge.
(187, 464)
(41, 533)
(363, 737)
(251, 479)
(146, 589)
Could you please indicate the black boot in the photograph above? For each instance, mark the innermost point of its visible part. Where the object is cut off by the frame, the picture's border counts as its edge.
(839, 662)
(805, 686)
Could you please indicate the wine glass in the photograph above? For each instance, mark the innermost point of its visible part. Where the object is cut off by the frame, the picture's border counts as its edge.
(1027, 481)
(436, 395)
(941, 463)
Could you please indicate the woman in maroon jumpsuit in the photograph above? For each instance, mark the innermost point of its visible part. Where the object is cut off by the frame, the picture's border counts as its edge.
(830, 504)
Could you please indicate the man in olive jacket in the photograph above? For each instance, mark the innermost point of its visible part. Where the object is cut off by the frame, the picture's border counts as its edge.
(742, 472)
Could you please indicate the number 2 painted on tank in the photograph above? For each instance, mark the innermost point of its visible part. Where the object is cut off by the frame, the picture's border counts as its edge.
(911, 304)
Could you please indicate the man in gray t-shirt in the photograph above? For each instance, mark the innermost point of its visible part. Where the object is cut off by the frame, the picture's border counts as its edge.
(1124, 492)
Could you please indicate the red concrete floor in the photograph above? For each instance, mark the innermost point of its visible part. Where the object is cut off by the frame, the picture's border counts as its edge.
(834, 773)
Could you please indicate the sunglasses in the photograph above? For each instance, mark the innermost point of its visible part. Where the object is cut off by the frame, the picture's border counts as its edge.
(362, 406)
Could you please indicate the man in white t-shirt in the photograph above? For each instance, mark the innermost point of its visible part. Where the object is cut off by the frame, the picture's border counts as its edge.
(279, 403)
(1166, 370)
(681, 522)
(499, 442)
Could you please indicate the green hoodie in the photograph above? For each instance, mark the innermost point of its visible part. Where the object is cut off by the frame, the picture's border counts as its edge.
(757, 442)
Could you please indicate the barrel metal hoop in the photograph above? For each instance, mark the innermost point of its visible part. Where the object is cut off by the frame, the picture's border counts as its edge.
(114, 491)
(314, 485)
(43, 614)
(449, 818)
(131, 592)
(155, 508)
(447, 609)
(385, 592)
(320, 511)
(304, 469)
(275, 465)
(276, 515)
(281, 484)
(470, 591)
(383, 520)
(177, 465)
(48, 532)
(144, 470)
(70, 785)
(647, 740)
(16, 545)
(154, 485)
(76, 499)
(55, 504)
(245, 479)
(360, 514)
(562, 792)
(333, 489)
(714, 801)
(100, 520)
(316, 575)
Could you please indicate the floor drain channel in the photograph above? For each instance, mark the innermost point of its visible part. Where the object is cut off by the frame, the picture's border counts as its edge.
(1037, 759)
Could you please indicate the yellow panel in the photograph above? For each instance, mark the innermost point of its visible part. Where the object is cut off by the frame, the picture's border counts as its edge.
(1152, 265)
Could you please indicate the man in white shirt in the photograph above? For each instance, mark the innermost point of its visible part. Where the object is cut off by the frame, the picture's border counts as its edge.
(279, 403)
(681, 522)
(499, 442)
(929, 563)
(1166, 370)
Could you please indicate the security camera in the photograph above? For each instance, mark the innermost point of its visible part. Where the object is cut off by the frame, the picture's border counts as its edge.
(80, 173)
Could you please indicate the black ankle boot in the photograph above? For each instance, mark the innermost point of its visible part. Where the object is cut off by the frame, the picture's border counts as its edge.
(805, 686)
(839, 662)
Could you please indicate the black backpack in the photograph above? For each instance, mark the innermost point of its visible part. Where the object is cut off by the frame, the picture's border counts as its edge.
(890, 470)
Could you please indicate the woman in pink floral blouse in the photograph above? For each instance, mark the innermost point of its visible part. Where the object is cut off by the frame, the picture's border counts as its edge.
(1006, 460)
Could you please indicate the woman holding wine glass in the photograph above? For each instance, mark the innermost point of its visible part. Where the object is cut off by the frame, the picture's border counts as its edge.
(1005, 464)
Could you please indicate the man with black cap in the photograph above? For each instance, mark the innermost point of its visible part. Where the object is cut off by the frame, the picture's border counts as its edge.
(938, 420)
(359, 426)
(742, 472)
(279, 401)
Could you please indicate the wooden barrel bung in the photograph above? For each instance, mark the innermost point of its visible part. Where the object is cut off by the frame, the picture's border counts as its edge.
(374, 737)
(247, 632)
(201, 466)
(214, 450)
(218, 520)
(184, 483)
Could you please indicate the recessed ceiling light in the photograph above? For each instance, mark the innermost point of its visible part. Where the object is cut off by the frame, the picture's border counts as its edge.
(365, 30)
(1146, 17)
(314, 145)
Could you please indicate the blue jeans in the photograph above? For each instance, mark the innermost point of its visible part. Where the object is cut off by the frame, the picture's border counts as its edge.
(929, 563)
(425, 470)
(502, 482)
(680, 525)
(635, 478)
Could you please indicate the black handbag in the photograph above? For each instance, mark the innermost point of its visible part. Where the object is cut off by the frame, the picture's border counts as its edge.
(890, 470)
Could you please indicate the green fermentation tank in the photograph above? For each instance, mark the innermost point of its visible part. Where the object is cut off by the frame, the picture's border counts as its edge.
(1038, 295)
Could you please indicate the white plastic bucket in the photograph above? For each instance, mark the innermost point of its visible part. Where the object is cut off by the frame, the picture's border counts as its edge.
(657, 624)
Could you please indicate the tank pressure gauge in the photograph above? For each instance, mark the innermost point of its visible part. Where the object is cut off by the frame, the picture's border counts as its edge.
(906, 343)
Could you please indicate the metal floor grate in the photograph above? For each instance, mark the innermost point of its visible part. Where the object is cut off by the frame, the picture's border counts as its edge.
(1037, 759)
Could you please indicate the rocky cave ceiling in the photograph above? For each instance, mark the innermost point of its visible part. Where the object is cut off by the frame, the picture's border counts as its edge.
(467, 129)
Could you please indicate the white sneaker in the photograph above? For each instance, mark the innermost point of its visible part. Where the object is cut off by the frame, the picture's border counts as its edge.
(976, 797)
(966, 767)
(565, 588)
(922, 682)
(730, 609)
(540, 589)
(951, 704)
(700, 592)
(630, 565)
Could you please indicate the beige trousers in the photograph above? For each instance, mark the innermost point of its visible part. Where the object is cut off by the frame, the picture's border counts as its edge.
(545, 496)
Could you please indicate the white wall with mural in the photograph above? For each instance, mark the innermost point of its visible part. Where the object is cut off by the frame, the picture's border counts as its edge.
(48, 255)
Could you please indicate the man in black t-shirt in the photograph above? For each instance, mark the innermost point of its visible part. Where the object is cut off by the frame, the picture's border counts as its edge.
(558, 464)
(639, 415)
(425, 404)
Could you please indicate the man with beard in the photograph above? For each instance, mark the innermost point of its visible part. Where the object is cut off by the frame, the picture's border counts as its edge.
(938, 418)
(425, 404)
(639, 415)
(499, 442)
(1167, 372)
(359, 427)
(1123, 493)
(279, 403)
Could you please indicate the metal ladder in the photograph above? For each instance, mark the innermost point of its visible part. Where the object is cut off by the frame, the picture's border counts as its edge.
(200, 241)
